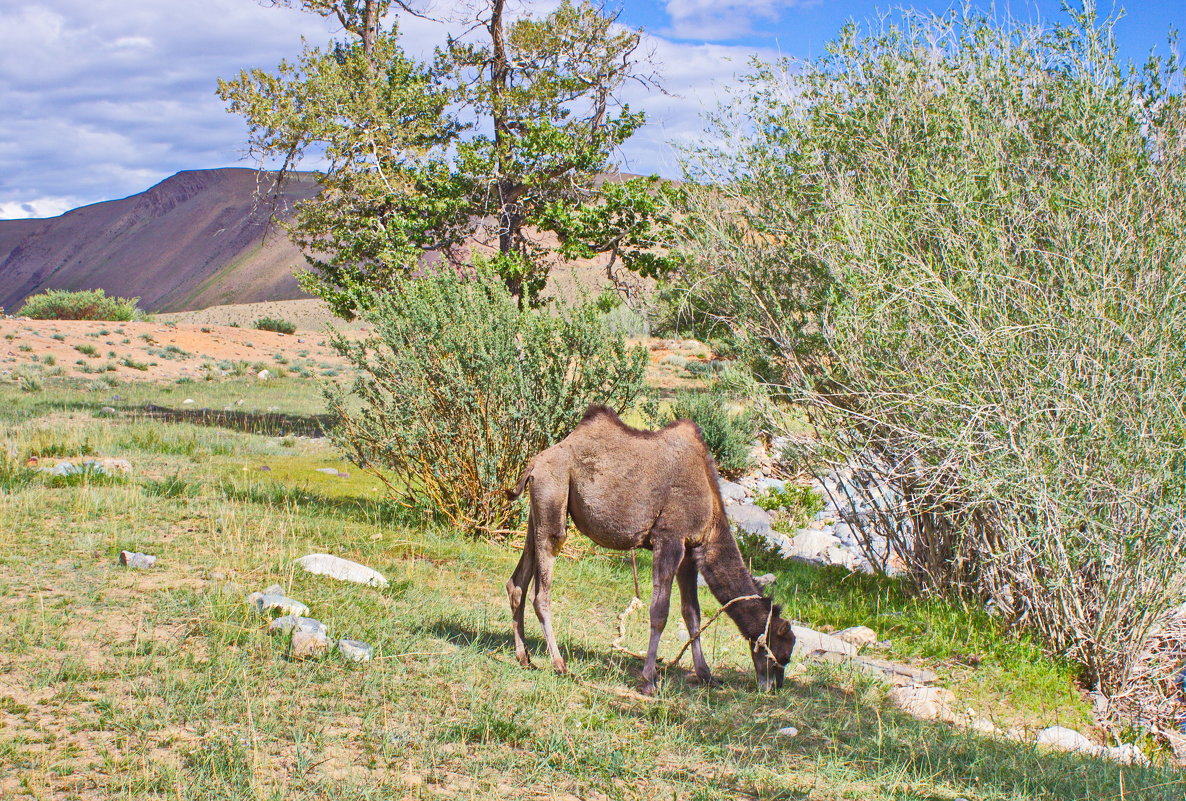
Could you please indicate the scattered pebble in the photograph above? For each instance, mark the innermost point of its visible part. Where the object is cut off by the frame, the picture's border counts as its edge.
(857, 635)
(788, 731)
(263, 375)
(268, 601)
(187, 402)
(356, 650)
(307, 644)
(134, 559)
(329, 471)
(294, 623)
(324, 564)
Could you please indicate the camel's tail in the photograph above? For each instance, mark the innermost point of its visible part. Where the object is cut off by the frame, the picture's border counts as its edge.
(512, 494)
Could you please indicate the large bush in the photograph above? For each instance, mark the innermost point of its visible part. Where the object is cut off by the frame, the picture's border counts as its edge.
(960, 244)
(459, 388)
(86, 304)
(729, 434)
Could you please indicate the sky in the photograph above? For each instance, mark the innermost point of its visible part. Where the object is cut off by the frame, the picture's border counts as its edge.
(102, 99)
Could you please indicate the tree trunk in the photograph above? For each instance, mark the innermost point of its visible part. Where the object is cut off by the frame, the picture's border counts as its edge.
(508, 220)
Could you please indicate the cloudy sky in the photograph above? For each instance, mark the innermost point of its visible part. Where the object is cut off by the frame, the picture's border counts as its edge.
(103, 98)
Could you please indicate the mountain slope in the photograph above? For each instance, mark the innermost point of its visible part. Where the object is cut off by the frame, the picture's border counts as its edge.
(196, 239)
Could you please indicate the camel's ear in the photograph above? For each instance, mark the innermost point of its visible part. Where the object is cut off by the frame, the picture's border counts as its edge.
(783, 628)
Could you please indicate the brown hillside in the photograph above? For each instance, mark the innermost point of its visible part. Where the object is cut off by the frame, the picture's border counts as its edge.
(196, 239)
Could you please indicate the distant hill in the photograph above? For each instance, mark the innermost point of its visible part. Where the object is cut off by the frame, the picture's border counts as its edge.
(198, 239)
(194, 240)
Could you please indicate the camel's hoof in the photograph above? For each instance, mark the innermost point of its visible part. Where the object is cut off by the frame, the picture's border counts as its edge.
(525, 661)
(560, 667)
(712, 682)
(647, 689)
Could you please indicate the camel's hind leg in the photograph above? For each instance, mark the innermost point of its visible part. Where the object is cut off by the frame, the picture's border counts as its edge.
(549, 510)
(517, 592)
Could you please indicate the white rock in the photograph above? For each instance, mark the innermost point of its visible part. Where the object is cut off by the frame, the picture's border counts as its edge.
(265, 602)
(306, 644)
(293, 623)
(134, 559)
(808, 543)
(788, 731)
(1065, 739)
(983, 726)
(924, 703)
(187, 402)
(857, 635)
(263, 375)
(324, 564)
(731, 492)
(809, 641)
(355, 650)
(764, 580)
(1127, 754)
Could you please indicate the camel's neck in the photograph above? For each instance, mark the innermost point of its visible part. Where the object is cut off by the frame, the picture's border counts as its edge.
(727, 576)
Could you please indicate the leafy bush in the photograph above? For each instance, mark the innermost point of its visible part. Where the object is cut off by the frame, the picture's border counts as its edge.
(272, 324)
(87, 304)
(959, 245)
(795, 504)
(729, 435)
(459, 388)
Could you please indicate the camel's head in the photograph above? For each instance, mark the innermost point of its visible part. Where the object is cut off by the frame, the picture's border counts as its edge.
(772, 651)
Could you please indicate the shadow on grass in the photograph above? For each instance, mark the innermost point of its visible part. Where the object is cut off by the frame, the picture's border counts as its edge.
(272, 424)
(842, 722)
(365, 510)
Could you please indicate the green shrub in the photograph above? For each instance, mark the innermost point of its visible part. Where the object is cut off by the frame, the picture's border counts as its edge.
(87, 304)
(958, 244)
(272, 324)
(88, 350)
(796, 505)
(459, 388)
(729, 435)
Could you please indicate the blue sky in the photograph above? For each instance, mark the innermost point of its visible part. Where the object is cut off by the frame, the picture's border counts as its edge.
(103, 98)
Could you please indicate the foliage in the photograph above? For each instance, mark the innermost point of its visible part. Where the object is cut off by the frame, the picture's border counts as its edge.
(728, 434)
(459, 388)
(507, 131)
(796, 504)
(86, 304)
(273, 324)
(958, 243)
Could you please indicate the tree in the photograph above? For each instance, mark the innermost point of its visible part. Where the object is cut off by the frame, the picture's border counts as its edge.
(957, 244)
(504, 136)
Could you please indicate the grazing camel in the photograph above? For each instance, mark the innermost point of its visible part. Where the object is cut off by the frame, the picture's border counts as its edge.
(627, 488)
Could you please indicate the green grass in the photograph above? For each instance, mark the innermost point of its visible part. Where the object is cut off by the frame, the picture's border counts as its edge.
(162, 683)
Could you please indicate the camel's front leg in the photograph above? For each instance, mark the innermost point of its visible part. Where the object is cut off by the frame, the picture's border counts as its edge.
(668, 555)
(690, 605)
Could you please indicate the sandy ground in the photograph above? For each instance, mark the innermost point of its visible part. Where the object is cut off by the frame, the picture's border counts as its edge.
(307, 315)
(78, 349)
(177, 345)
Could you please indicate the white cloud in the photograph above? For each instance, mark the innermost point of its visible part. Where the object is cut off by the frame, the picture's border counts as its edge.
(716, 20)
(103, 98)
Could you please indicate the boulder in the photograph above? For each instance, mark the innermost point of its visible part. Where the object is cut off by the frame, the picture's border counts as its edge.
(324, 564)
(263, 375)
(730, 492)
(859, 636)
(764, 580)
(1065, 739)
(1127, 754)
(809, 642)
(751, 519)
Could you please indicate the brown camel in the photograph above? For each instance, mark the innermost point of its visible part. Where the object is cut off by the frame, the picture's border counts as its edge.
(625, 489)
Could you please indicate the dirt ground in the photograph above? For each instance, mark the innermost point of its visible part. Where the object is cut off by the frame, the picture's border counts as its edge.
(179, 345)
(150, 351)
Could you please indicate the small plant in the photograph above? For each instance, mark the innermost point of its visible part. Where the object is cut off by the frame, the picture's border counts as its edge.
(88, 350)
(729, 436)
(273, 324)
(50, 359)
(29, 382)
(58, 337)
(89, 304)
(127, 361)
(25, 348)
(205, 330)
(149, 338)
(796, 504)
